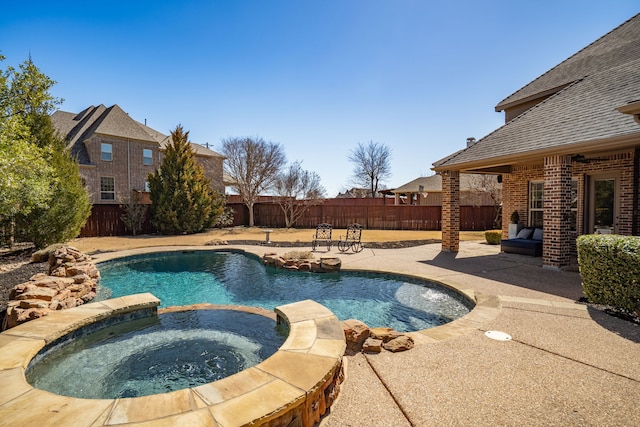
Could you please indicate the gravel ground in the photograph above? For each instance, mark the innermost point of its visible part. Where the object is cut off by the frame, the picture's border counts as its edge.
(15, 268)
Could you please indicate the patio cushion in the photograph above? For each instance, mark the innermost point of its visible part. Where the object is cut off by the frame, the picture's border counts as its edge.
(525, 233)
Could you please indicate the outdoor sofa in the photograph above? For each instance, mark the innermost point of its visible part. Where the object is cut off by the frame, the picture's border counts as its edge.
(527, 242)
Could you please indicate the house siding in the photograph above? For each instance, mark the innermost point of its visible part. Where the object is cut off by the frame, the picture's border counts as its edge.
(213, 171)
(515, 186)
(126, 167)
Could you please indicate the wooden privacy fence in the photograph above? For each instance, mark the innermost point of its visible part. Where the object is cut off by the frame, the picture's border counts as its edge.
(106, 220)
(380, 217)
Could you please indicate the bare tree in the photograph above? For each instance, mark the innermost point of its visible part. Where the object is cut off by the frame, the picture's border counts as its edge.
(371, 165)
(489, 184)
(253, 165)
(134, 214)
(296, 191)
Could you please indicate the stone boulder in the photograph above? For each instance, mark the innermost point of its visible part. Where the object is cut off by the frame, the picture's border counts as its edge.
(372, 345)
(330, 264)
(400, 343)
(355, 334)
(72, 280)
(384, 334)
(324, 265)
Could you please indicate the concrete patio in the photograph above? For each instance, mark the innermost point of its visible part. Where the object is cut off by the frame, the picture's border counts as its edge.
(566, 364)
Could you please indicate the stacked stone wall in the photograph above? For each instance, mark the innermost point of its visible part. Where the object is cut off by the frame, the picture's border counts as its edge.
(72, 280)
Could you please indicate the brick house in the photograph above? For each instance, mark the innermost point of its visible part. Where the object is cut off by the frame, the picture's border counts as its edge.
(116, 153)
(569, 152)
(427, 191)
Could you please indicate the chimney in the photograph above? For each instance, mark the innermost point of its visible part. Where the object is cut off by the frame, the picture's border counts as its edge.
(470, 141)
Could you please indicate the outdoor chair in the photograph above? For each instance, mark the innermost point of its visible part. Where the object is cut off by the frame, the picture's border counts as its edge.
(352, 239)
(323, 235)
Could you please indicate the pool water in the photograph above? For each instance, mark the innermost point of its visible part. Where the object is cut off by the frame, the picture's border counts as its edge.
(235, 278)
(149, 356)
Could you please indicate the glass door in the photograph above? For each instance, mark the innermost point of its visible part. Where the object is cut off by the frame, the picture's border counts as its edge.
(603, 212)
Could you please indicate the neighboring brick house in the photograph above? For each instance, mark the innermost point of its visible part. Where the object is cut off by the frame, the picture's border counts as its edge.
(475, 190)
(569, 153)
(116, 153)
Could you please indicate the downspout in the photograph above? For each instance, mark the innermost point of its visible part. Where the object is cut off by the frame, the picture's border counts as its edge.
(129, 166)
(635, 219)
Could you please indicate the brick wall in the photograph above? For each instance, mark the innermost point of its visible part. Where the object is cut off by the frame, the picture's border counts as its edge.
(126, 167)
(128, 170)
(451, 211)
(515, 191)
(557, 211)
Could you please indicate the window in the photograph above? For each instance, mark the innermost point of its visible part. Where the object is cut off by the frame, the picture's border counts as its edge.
(574, 204)
(536, 193)
(106, 152)
(107, 188)
(147, 187)
(147, 156)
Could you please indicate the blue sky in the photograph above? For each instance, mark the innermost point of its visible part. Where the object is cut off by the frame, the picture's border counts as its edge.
(317, 77)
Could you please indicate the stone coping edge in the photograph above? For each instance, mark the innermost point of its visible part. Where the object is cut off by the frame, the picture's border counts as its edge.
(296, 385)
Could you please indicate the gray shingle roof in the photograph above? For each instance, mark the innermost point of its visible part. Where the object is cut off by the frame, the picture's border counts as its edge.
(112, 121)
(606, 75)
(433, 183)
(615, 48)
(582, 112)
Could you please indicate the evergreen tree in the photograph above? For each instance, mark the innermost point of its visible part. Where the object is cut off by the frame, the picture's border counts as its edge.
(181, 196)
(56, 209)
(69, 205)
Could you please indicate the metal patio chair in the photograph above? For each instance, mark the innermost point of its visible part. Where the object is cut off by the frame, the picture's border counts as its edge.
(322, 236)
(352, 239)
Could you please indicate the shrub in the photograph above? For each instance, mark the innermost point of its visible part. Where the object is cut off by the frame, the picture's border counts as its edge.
(610, 270)
(493, 236)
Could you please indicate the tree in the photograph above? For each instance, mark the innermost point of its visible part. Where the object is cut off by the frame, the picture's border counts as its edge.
(297, 190)
(26, 102)
(25, 176)
(134, 214)
(28, 97)
(182, 198)
(68, 207)
(253, 165)
(489, 184)
(52, 204)
(371, 165)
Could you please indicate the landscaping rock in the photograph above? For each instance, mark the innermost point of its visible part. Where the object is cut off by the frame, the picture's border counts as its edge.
(384, 334)
(72, 280)
(372, 345)
(401, 343)
(355, 334)
(330, 264)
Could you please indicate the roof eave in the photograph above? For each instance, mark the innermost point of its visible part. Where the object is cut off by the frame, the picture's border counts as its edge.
(539, 95)
(494, 163)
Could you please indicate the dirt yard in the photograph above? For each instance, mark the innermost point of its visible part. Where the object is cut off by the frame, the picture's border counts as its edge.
(279, 237)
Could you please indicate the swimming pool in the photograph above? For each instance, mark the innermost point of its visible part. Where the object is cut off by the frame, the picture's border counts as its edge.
(235, 278)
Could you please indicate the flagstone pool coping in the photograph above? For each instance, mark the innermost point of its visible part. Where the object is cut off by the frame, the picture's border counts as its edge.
(291, 383)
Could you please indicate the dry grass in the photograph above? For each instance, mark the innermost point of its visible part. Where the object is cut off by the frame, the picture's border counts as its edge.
(90, 244)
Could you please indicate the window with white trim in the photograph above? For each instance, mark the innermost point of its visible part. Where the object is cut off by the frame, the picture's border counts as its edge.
(106, 152)
(574, 204)
(147, 187)
(147, 156)
(536, 205)
(107, 188)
